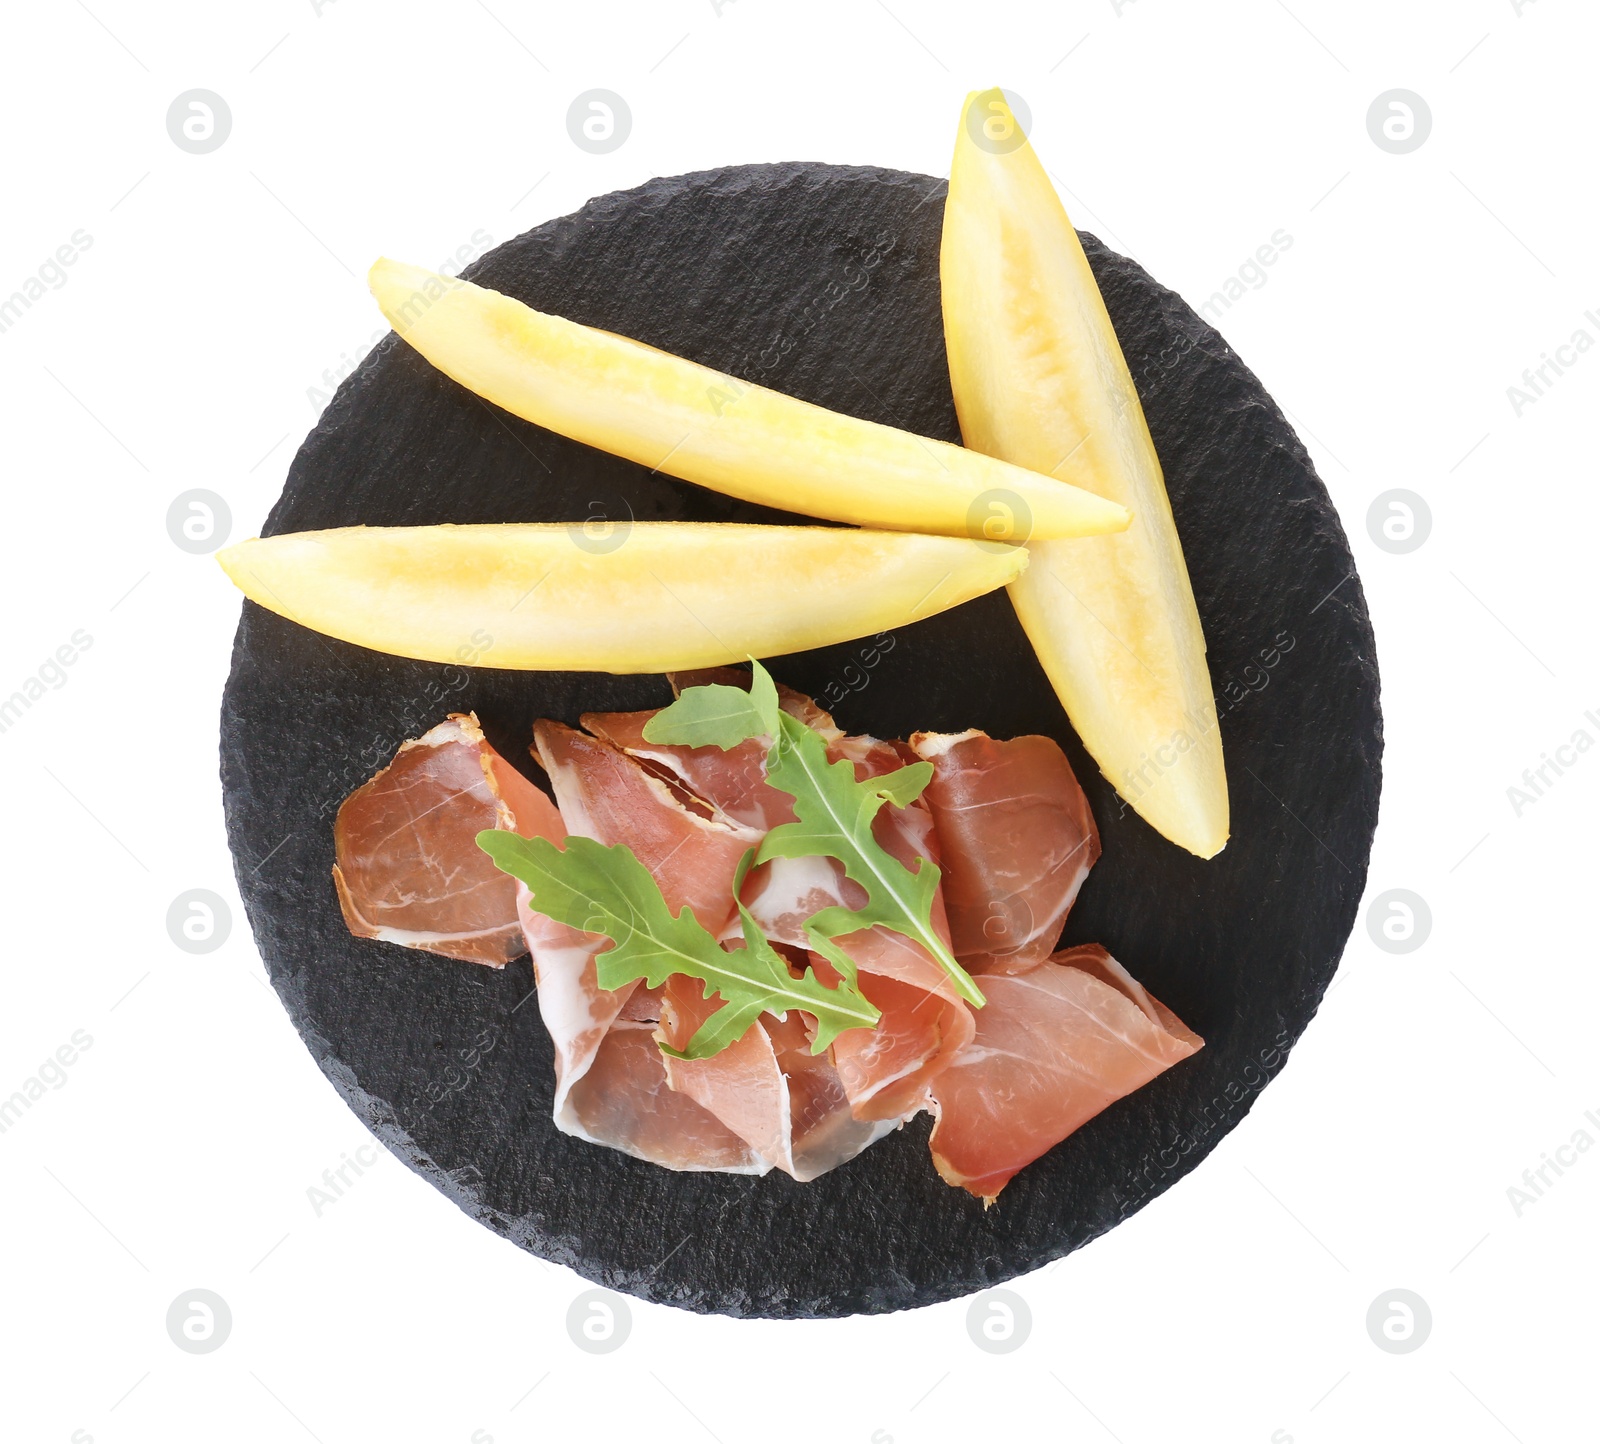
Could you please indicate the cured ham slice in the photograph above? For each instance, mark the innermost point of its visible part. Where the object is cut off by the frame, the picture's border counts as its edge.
(407, 868)
(611, 1082)
(1017, 840)
(742, 1084)
(885, 1072)
(1053, 1047)
(882, 1080)
(577, 1011)
(790, 1108)
(611, 1085)
(824, 1131)
(624, 1100)
(605, 794)
(786, 1103)
(734, 782)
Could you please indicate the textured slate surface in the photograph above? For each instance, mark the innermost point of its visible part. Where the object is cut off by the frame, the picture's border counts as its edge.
(823, 282)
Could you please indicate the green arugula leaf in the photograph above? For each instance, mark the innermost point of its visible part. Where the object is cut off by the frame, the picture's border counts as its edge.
(833, 818)
(607, 890)
(718, 716)
(833, 815)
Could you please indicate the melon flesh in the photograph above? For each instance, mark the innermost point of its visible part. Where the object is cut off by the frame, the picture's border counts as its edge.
(664, 596)
(1040, 380)
(697, 424)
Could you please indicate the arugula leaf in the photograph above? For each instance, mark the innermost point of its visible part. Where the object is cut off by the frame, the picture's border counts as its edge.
(833, 815)
(718, 716)
(607, 890)
(833, 818)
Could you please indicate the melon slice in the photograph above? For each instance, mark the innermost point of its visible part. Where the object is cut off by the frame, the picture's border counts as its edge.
(1040, 380)
(669, 596)
(732, 436)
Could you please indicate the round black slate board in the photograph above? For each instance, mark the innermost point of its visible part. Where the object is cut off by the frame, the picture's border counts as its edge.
(821, 281)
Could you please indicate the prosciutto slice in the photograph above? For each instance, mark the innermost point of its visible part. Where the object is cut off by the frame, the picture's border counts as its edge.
(611, 1082)
(885, 1072)
(786, 1103)
(605, 794)
(800, 1113)
(611, 1086)
(626, 1102)
(408, 869)
(735, 781)
(1053, 1047)
(824, 1130)
(1017, 840)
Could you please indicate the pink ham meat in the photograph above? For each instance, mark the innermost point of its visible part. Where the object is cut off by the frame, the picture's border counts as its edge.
(407, 867)
(626, 1102)
(611, 1087)
(1059, 1039)
(605, 794)
(733, 781)
(876, 1079)
(885, 1072)
(611, 1082)
(1053, 1047)
(789, 1107)
(786, 1103)
(1017, 840)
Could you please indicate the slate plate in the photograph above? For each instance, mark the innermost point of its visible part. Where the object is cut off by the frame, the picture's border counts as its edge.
(821, 281)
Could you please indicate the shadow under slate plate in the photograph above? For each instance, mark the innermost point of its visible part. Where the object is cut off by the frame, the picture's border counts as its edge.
(823, 282)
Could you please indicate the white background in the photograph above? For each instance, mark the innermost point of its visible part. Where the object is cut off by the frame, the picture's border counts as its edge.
(179, 353)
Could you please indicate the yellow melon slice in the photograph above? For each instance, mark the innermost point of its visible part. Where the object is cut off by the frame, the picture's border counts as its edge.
(735, 437)
(656, 597)
(1040, 380)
